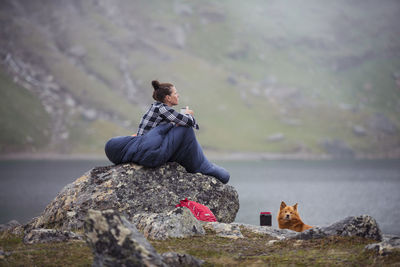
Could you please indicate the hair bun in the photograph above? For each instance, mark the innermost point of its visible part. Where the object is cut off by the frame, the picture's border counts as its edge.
(156, 84)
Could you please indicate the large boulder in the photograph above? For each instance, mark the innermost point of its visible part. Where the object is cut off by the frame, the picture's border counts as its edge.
(131, 189)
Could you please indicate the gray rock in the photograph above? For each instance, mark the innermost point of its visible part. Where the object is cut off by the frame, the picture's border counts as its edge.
(9, 226)
(380, 123)
(132, 189)
(387, 246)
(337, 148)
(178, 259)
(116, 242)
(279, 234)
(4, 254)
(313, 233)
(232, 80)
(49, 235)
(224, 229)
(178, 223)
(276, 137)
(291, 121)
(359, 130)
(363, 226)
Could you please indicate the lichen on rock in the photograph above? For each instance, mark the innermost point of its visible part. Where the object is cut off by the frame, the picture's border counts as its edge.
(178, 223)
(117, 242)
(132, 189)
(49, 235)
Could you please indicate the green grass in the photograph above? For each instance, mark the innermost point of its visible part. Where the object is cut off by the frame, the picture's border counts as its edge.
(25, 125)
(253, 250)
(75, 253)
(90, 137)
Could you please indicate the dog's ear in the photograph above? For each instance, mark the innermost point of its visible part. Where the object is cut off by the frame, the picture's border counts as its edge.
(283, 205)
(295, 207)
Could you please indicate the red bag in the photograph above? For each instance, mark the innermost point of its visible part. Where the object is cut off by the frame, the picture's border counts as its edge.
(199, 211)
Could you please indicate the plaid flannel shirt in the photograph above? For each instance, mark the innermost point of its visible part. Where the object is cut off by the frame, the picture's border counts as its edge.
(160, 113)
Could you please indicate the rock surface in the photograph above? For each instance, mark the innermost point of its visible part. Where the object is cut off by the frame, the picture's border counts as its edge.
(363, 226)
(337, 148)
(12, 226)
(132, 189)
(7, 226)
(387, 246)
(179, 222)
(49, 235)
(278, 234)
(177, 259)
(117, 242)
(380, 123)
(225, 229)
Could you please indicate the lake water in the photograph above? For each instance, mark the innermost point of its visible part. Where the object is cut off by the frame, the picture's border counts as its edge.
(326, 191)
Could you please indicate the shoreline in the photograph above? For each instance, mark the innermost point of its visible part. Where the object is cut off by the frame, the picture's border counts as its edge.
(211, 155)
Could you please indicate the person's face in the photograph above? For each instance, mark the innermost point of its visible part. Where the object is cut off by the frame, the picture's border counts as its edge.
(173, 98)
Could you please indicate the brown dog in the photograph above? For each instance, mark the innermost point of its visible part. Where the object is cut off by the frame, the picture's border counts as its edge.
(289, 218)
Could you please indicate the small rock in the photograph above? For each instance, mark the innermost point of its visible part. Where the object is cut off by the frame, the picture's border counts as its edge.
(380, 123)
(279, 234)
(77, 51)
(387, 246)
(271, 242)
(178, 259)
(232, 80)
(49, 235)
(364, 226)
(298, 243)
(337, 148)
(9, 226)
(13, 227)
(291, 121)
(312, 233)
(359, 130)
(276, 137)
(225, 230)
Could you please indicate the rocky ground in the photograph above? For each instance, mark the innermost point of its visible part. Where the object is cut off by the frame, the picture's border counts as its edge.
(125, 215)
(245, 245)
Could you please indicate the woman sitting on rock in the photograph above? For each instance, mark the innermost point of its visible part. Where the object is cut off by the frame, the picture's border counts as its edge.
(164, 135)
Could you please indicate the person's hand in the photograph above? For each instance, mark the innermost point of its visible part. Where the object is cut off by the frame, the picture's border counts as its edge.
(189, 111)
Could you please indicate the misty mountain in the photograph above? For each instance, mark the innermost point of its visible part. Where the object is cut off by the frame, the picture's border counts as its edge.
(267, 76)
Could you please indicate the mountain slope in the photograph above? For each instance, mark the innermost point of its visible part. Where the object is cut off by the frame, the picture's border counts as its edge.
(270, 77)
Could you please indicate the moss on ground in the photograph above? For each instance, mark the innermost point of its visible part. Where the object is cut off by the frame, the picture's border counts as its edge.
(253, 250)
(73, 253)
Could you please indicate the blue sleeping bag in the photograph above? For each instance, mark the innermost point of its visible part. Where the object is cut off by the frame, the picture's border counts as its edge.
(164, 143)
